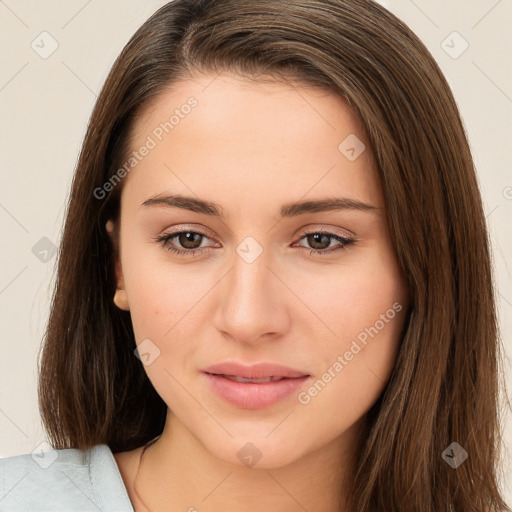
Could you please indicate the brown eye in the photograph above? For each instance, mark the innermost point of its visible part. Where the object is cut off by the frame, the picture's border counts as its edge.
(320, 242)
(189, 243)
(186, 243)
(189, 239)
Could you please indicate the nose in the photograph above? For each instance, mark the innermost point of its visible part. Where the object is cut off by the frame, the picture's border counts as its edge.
(252, 303)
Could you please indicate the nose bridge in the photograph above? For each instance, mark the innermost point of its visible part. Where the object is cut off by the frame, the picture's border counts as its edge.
(250, 279)
(252, 303)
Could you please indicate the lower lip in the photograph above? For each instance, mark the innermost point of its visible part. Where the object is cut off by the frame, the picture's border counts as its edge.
(248, 395)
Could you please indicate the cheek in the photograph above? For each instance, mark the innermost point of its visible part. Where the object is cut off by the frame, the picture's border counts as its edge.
(364, 303)
(348, 299)
(165, 308)
(358, 328)
(162, 293)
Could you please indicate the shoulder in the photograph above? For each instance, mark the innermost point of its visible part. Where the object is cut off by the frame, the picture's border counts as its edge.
(63, 480)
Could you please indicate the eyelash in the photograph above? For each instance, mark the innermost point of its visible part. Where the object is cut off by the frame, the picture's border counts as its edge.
(164, 241)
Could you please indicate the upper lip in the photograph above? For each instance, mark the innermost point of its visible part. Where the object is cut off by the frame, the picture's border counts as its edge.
(255, 371)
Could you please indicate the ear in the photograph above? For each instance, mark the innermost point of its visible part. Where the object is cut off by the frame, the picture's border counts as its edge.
(113, 233)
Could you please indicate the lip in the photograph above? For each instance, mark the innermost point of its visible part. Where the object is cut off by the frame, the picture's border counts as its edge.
(255, 371)
(249, 395)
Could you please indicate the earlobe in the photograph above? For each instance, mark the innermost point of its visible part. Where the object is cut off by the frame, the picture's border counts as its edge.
(120, 297)
(121, 300)
(109, 226)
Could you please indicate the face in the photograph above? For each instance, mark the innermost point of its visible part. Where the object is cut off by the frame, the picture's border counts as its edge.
(239, 274)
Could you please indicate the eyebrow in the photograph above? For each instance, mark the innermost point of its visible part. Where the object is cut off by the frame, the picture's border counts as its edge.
(287, 210)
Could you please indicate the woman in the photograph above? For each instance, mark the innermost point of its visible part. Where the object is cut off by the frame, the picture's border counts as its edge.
(274, 287)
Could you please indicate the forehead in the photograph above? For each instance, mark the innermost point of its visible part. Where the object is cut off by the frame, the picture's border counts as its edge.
(224, 134)
(228, 100)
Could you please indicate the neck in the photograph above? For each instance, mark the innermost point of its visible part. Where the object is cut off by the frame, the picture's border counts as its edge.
(177, 473)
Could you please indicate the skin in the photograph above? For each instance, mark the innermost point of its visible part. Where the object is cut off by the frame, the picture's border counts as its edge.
(251, 148)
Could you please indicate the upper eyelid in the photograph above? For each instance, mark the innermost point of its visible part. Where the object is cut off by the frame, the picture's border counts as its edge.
(328, 231)
(175, 232)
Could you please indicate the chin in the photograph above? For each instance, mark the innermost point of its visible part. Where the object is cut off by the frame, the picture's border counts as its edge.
(257, 452)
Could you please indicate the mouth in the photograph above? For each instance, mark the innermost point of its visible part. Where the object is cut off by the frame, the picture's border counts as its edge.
(238, 378)
(254, 392)
(259, 372)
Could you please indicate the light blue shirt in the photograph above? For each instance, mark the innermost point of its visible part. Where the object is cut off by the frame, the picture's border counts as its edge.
(67, 480)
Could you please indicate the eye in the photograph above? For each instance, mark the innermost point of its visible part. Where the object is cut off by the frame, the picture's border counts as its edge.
(189, 243)
(322, 240)
(190, 240)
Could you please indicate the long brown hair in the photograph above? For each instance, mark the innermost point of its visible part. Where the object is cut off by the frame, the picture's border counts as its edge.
(445, 384)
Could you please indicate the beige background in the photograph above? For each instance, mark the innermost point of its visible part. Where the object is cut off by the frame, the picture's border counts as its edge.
(45, 105)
